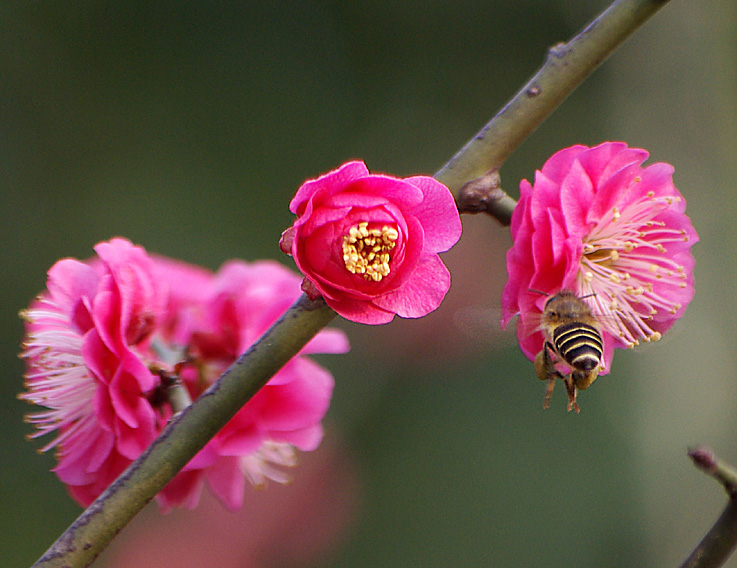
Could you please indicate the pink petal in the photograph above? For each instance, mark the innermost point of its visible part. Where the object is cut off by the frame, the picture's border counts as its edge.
(360, 311)
(106, 316)
(610, 193)
(576, 195)
(298, 403)
(658, 178)
(604, 160)
(397, 191)
(306, 439)
(241, 437)
(521, 214)
(422, 293)
(182, 491)
(227, 483)
(437, 214)
(81, 460)
(332, 182)
(558, 165)
(330, 213)
(328, 341)
(70, 281)
(97, 357)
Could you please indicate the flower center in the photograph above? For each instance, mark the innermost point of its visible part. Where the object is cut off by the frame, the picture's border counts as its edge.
(627, 270)
(366, 251)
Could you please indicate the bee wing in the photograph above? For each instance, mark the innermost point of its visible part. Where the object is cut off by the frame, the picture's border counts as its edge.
(481, 325)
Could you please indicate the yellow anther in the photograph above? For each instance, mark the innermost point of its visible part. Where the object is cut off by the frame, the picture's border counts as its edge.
(366, 251)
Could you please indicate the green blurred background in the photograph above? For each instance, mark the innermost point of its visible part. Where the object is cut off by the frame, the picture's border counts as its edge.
(187, 126)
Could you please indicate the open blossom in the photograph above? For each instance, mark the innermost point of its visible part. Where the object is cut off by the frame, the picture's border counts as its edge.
(240, 304)
(598, 223)
(104, 335)
(84, 338)
(369, 243)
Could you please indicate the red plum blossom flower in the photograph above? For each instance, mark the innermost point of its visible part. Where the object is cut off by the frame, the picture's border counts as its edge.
(242, 301)
(84, 336)
(369, 244)
(598, 223)
(103, 337)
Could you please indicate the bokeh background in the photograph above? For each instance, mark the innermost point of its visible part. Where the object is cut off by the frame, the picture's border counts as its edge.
(187, 126)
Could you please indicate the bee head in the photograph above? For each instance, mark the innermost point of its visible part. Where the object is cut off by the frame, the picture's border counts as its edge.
(565, 306)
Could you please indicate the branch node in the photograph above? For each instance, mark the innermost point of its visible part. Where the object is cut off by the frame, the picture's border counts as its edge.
(484, 195)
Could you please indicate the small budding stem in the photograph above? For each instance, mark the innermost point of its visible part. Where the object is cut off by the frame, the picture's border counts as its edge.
(719, 543)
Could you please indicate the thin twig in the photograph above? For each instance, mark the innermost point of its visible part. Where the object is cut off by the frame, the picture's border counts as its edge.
(565, 68)
(721, 540)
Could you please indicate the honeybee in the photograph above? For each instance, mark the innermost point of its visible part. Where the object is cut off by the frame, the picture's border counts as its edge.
(572, 335)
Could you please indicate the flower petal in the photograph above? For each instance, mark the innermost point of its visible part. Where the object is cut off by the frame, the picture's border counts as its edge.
(332, 181)
(437, 213)
(422, 293)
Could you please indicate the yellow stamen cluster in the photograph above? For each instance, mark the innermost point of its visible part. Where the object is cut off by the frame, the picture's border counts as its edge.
(366, 251)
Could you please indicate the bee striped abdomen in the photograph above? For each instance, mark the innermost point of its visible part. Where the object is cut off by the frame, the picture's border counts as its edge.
(579, 344)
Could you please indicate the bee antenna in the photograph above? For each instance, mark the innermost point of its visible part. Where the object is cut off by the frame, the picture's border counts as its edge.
(538, 292)
(588, 295)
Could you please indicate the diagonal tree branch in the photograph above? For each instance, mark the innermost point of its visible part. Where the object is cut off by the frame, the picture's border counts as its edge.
(566, 67)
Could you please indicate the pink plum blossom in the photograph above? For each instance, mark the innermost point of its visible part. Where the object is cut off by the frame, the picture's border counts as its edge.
(242, 301)
(613, 232)
(368, 244)
(102, 337)
(84, 336)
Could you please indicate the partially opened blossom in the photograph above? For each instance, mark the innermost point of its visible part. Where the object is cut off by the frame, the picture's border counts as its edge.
(105, 339)
(598, 223)
(369, 244)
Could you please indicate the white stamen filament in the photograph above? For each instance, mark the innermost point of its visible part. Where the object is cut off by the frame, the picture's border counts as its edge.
(625, 272)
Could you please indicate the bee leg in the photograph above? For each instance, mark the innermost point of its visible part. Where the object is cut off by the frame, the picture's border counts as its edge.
(546, 371)
(572, 392)
(549, 392)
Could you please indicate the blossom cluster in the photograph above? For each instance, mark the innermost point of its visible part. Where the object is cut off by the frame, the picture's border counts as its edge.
(107, 337)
